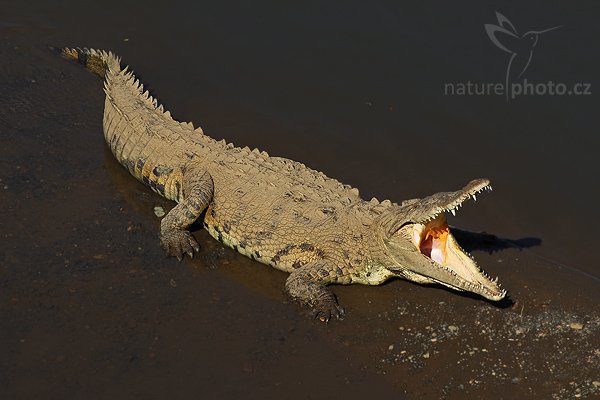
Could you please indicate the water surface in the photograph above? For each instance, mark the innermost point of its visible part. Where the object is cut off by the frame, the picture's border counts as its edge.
(90, 306)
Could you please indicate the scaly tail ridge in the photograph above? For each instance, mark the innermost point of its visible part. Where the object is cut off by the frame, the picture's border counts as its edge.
(141, 134)
(97, 61)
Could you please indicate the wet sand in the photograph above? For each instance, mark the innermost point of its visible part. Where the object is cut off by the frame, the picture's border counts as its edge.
(90, 307)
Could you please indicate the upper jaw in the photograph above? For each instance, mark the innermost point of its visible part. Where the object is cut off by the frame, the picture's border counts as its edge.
(440, 203)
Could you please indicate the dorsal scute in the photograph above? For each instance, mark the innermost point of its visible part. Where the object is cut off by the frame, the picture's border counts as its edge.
(121, 81)
(187, 125)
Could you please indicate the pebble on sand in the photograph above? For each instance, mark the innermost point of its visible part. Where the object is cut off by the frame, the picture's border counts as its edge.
(576, 326)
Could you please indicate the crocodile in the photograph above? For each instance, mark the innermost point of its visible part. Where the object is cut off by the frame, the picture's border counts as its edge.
(278, 211)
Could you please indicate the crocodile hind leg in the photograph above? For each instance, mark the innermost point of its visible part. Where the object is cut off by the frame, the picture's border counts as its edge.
(308, 285)
(175, 239)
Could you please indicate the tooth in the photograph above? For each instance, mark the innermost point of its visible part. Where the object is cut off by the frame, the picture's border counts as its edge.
(453, 212)
(474, 197)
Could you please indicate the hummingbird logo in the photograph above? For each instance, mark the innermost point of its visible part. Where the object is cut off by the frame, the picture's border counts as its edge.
(520, 47)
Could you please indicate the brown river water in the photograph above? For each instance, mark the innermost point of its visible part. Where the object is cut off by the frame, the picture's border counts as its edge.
(91, 308)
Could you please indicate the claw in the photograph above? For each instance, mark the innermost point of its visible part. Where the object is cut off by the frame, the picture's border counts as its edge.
(178, 243)
(196, 246)
(325, 313)
(323, 316)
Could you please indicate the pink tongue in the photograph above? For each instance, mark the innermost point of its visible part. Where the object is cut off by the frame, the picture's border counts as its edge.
(437, 252)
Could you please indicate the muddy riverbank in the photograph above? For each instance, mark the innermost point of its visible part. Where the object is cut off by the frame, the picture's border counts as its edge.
(90, 307)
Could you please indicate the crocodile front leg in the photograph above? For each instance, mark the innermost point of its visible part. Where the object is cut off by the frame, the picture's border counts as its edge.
(175, 239)
(308, 285)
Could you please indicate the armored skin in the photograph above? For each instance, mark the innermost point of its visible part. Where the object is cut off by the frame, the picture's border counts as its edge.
(278, 211)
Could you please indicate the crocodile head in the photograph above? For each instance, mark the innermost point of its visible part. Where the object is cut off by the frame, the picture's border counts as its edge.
(420, 247)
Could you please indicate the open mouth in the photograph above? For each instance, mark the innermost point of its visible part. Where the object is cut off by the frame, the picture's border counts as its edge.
(432, 240)
(435, 241)
(457, 269)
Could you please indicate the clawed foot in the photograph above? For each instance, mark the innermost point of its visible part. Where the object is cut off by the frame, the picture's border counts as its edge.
(324, 310)
(308, 284)
(178, 242)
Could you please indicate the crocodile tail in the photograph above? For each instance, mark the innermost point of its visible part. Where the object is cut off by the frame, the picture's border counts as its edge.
(97, 61)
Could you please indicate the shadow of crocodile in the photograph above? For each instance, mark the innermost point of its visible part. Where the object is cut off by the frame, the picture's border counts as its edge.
(483, 241)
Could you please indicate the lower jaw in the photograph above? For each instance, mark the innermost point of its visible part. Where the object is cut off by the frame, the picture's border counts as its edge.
(435, 242)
